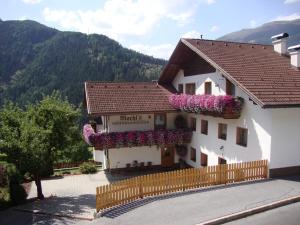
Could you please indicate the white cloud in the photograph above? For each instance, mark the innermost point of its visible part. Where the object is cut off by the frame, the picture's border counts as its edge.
(31, 1)
(291, 1)
(163, 51)
(119, 17)
(209, 2)
(293, 16)
(253, 23)
(191, 34)
(214, 28)
(23, 18)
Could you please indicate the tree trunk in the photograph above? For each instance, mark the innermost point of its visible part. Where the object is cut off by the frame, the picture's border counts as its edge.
(38, 183)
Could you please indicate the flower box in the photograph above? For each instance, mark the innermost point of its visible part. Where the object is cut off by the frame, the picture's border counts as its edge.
(224, 106)
(135, 138)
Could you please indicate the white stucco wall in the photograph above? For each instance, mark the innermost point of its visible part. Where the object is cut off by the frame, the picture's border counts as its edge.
(120, 157)
(253, 117)
(147, 123)
(285, 138)
(218, 82)
(98, 156)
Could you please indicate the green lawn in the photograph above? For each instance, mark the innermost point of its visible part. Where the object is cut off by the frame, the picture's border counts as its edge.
(67, 171)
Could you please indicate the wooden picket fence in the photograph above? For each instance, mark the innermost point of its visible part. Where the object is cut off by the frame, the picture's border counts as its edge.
(128, 190)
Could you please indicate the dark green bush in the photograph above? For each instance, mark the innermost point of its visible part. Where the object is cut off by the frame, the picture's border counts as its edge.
(88, 167)
(3, 157)
(13, 189)
(4, 198)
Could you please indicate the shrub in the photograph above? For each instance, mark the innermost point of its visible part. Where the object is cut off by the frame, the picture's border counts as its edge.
(3, 157)
(4, 198)
(88, 167)
(13, 193)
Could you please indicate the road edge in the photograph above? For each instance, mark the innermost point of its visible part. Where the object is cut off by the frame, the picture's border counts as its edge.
(252, 211)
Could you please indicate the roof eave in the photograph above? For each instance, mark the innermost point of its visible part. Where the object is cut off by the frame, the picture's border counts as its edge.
(86, 98)
(270, 106)
(131, 112)
(167, 65)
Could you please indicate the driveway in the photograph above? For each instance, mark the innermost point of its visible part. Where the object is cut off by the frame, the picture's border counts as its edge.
(70, 195)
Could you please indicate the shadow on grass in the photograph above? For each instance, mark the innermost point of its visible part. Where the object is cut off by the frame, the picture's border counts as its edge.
(122, 209)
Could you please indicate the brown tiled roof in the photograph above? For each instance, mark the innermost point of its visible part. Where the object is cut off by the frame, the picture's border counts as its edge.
(121, 98)
(266, 76)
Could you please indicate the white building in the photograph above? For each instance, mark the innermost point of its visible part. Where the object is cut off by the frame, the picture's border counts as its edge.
(266, 77)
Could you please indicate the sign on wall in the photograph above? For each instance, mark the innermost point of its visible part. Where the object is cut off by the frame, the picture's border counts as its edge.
(132, 119)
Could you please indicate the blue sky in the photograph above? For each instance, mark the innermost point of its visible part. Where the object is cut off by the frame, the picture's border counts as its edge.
(152, 27)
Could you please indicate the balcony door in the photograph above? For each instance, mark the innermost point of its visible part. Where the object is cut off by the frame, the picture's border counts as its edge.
(167, 156)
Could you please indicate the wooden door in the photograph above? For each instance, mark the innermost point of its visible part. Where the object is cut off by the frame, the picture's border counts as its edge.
(167, 156)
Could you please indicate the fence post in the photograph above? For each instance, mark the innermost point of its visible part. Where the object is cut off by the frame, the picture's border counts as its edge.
(140, 187)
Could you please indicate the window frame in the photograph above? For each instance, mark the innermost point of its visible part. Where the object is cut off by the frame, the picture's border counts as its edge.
(204, 127)
(230, 88)
(180, 88)
(220, 125)
(162, 126)
(208, 88)
(193, 154)
(239, 140)
(187, 88)
(203, 159)
(193, 123)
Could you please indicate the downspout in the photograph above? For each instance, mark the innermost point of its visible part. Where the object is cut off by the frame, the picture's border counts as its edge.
(106, 150)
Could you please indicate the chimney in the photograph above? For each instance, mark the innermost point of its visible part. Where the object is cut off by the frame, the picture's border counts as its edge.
(295, 55)
(279, 43)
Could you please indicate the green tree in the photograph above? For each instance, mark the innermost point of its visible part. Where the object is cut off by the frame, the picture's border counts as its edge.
(39, 133)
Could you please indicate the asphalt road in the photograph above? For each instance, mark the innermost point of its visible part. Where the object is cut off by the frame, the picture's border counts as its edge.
(285, 215)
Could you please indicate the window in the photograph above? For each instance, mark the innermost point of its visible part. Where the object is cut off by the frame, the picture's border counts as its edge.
(193, 124)
(222, 131)
(207, 88)
(241, 136)
(180, 88)
(193, 154)
(204, 127)
(203, 159)
(190, 88)
(230, 88)
(159, 121)
(221, 161)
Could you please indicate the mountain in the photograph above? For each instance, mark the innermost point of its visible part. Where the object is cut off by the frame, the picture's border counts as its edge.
(36, 59)
(262, 34)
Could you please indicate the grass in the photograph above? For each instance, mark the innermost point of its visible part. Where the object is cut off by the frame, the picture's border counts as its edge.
(70, 171)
